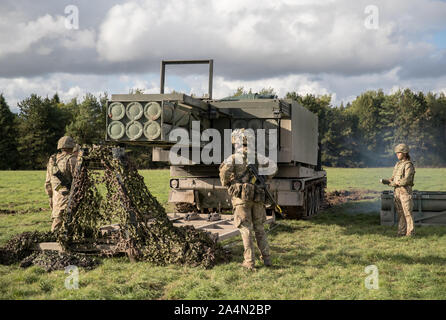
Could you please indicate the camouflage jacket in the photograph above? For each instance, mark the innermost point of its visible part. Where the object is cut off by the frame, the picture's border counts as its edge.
(234, 169)
(403, 174)
(65, 163)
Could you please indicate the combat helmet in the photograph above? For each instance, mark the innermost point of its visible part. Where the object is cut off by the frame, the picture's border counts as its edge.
(242, 135)
(66, 142)
(403, 148)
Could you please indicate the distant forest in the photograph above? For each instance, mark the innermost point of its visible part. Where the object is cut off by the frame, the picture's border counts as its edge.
(362, 133)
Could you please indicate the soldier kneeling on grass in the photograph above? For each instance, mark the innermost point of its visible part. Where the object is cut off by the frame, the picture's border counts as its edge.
(59, 176)
(248, 200)
(402, 180)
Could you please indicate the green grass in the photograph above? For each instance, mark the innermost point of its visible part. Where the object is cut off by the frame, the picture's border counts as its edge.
(426, 179)
(322, 258)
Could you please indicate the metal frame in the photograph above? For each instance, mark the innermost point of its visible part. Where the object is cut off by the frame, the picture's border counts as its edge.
(165, 62)
(419, 215)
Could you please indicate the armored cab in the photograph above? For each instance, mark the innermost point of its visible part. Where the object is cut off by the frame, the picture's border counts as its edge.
(291, 132)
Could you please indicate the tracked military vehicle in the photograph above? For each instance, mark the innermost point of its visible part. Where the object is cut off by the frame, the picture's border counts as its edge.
(149, 119)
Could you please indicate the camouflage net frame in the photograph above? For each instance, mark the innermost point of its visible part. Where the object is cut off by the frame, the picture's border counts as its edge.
(145, 231)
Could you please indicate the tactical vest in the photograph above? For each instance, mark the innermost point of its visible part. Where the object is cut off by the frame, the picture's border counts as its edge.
(399, 171)
(243, 186)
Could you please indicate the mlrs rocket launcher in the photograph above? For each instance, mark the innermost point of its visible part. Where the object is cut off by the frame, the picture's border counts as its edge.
(147, 119)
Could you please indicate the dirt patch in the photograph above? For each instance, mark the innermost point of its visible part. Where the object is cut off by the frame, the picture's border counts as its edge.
(8, 211)
(339, 197)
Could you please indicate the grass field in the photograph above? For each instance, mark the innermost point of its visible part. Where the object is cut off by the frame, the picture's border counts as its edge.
(323, 258)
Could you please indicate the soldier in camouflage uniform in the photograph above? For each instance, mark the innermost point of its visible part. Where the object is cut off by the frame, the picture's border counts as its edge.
(248, 199)
(402, 180)
(59, 175)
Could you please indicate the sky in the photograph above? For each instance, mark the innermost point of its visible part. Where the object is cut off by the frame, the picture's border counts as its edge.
(341, 47)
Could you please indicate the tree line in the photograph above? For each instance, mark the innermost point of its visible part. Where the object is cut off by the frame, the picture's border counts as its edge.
(28, 138)
(362, 133)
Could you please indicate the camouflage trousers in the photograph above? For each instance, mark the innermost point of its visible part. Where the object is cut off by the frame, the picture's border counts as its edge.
(249, 219)
(60, 202)
(404, 206)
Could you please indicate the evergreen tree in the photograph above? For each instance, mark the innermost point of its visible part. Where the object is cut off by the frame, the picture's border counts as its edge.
(411, 124)
(8, 136)
(372, 126)
(337, 130)
(437, 109)
(41, 124)
(88, 125)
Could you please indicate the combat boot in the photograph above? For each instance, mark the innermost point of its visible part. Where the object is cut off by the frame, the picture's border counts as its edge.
(267, 262)
(248, 265)
(410, 234)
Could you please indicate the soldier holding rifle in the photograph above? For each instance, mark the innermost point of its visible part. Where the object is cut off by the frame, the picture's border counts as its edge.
(248, 199)
(59, 176)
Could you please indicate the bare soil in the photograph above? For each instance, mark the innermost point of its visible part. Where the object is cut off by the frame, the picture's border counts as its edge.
(8, 211)
(339, 197)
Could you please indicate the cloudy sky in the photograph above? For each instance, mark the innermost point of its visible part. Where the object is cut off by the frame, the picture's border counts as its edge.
(332, 47)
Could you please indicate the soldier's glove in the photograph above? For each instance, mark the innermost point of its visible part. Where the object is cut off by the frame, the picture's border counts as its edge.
(394, 184)
(384, 181)
(51, 203)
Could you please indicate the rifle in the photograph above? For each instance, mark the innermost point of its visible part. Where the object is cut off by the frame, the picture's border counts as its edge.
(384, 181)
(260, 181)
(63, 182)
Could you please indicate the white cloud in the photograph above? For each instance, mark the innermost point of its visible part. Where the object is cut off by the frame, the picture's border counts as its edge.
(341, 88)
(18, 36)
(284, 35)
(42, 50)
(305, 46)
(302, 84)
(69, 86)
(17, 89)
(79, 39)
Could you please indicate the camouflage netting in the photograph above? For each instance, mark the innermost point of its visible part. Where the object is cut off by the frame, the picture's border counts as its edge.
(53, 260)
(20, 246)
(145, 231)
(20, 249)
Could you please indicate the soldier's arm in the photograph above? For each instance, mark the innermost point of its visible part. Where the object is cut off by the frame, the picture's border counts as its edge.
(392, 178)
(393, 173)
(409, 172)
(72, 165)
(48, 187)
